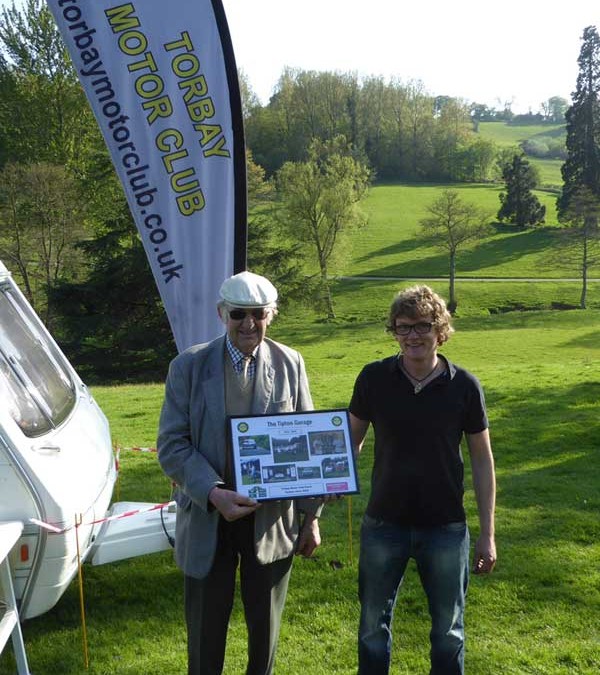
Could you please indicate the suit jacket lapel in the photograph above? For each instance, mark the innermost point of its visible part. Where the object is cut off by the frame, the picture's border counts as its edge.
(263, 387)
(213, 390)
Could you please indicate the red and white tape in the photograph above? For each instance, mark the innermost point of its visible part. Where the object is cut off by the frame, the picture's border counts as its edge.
(137, 448)
(126, 514)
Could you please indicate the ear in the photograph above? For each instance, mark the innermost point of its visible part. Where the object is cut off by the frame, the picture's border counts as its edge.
(222, 314)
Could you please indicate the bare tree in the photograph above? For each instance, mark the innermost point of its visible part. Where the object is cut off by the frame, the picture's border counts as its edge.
(451, 224)
(581, 237)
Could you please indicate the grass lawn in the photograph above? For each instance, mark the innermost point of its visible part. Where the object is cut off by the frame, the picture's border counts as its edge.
(550, 175)
(507, 135)
(389, 245)
(537, 614)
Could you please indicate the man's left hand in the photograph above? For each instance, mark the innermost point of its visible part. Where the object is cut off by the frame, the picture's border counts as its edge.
(309, 538)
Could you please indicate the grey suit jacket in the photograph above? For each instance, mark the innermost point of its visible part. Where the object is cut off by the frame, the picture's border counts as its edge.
(192, 447)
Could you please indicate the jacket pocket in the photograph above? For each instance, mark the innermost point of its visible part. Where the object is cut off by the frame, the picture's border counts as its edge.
(285, 405)
(182, 500)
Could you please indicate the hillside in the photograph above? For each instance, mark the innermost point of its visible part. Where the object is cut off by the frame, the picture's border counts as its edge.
(506, 135)
(540, 136)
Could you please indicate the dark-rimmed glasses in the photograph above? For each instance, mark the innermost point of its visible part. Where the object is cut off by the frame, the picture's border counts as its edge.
(420, 328)
(240, 314)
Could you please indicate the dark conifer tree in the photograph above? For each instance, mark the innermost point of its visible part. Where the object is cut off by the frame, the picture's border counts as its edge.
(519, 204)
(582, 167)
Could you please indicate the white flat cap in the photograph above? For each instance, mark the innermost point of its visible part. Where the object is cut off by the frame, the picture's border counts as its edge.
(248, 290)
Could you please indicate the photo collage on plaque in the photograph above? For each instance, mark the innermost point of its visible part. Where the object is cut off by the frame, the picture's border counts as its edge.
(293, 455)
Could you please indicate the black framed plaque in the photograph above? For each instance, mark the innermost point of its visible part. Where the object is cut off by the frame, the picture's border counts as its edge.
(293, 455)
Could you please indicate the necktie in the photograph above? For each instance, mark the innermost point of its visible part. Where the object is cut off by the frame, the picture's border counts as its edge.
(246, 370)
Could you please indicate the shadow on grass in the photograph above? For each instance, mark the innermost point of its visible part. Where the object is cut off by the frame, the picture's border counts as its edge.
(403, 246)
(117, 596)
(514, 245)
(545, 444)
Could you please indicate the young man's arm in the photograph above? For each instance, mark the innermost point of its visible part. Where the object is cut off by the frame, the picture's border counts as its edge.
(484, 485)
(358, 429)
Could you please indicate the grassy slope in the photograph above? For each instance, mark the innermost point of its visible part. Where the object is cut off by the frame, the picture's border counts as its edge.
(506, 135)
(389, 245)
(537, 614)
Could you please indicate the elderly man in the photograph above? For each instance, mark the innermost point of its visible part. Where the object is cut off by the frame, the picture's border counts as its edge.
(420, 405)
(241, 373)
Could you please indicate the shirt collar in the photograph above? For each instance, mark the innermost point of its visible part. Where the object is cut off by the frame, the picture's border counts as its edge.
(450, 367)
(236, 355)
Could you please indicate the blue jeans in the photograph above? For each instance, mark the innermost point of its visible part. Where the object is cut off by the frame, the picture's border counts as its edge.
(442, 557)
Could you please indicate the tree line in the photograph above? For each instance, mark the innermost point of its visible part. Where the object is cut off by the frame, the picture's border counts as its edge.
(397, 128)
(67, 234)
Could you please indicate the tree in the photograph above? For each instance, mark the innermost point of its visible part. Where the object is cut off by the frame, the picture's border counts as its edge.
(250, 100)
(48, 117)
(270, 252)
(319, 202)
(313, 105)
(113, 324)
(45, 129)
(451, 224)
(40, 222)
(582, 166)
(454, 130)
(581, 237)
(519, 204)
(554, 109)
(420, 123)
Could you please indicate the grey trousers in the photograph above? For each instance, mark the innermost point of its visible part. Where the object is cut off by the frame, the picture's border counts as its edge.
(209, 601)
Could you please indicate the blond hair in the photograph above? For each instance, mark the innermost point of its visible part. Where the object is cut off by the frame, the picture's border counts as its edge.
(417, 302)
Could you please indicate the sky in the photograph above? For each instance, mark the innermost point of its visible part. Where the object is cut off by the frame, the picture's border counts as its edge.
(521, 51)
(517, 51)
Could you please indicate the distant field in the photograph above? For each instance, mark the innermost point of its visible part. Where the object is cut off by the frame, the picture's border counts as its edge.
(389, 245)
(550, 174)
(507, 135)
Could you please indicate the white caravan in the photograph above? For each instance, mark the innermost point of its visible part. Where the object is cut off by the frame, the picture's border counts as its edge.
(57, 465)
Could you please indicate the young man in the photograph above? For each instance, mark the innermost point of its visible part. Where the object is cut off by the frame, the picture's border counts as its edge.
(241, 373)
(420, 405)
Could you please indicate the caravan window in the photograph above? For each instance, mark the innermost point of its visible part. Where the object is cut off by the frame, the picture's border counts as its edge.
(34, 376)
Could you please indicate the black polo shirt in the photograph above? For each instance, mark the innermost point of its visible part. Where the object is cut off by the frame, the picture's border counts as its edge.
(418, 472)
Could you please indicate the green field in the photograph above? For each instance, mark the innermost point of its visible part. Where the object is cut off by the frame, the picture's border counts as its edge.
(536, 615)
(506, 136)
(550, 175)
(389, 245)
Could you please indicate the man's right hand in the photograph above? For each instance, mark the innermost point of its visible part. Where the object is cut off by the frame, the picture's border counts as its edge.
(231, 505)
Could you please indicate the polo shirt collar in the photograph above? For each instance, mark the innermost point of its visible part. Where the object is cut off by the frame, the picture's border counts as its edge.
(450, 367)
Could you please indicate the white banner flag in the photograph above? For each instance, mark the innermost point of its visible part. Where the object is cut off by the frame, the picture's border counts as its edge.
(161, 79)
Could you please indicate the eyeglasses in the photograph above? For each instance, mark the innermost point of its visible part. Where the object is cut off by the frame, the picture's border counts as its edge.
(240, 314)
(421, 328)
